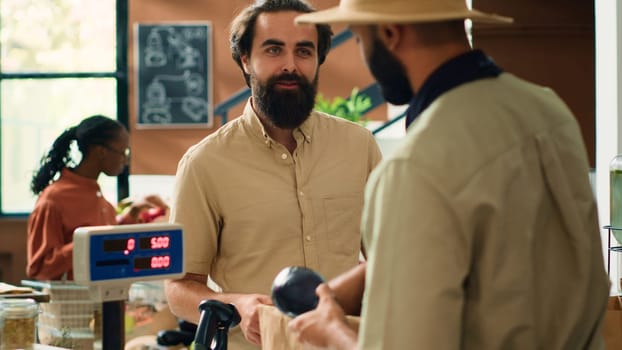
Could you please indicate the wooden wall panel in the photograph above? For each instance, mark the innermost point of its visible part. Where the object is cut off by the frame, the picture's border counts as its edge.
(158, 151)
(12, 250)
(551, 43)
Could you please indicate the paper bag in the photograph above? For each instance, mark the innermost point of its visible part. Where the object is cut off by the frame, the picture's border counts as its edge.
(612, 325)
(276, 336)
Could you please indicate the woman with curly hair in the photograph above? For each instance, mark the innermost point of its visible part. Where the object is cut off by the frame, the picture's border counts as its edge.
(70, 197)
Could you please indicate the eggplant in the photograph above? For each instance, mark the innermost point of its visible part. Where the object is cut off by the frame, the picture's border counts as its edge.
(293, 290)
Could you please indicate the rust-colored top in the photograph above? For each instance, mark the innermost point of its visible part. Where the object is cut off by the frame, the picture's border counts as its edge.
(66, 204)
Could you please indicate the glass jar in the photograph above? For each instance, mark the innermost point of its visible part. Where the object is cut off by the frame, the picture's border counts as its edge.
(19, 317)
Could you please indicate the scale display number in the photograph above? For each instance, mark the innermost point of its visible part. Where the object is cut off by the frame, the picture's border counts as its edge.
(127, 245)
(153, 262)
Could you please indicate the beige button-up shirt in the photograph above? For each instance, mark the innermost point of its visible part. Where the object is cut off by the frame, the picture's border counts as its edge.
(249, 208)
(482, 230)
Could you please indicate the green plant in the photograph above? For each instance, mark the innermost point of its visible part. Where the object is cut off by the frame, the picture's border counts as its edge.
(351, 108)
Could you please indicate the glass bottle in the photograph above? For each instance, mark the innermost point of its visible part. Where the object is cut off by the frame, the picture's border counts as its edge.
(615, 195)
(19, 319)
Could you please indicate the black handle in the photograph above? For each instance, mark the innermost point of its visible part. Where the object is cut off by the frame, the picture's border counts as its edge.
(216, 319)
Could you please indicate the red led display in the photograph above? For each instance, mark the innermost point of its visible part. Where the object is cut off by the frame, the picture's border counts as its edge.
(159, 242)
(152, 262)
(155, 242)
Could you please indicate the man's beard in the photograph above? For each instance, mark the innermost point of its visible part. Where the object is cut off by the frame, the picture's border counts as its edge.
(286, 109)
(390, 74)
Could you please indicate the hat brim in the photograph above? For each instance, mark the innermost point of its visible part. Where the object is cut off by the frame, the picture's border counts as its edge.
(337, 15)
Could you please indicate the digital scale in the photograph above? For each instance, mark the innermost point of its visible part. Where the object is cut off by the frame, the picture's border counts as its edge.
(108, 259)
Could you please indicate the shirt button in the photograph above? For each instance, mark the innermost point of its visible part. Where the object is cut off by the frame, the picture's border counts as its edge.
(301, 193)
(308, 238)
(283, 156)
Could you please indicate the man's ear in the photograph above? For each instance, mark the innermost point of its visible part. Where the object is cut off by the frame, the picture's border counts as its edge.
(245, 63)
(390, 34)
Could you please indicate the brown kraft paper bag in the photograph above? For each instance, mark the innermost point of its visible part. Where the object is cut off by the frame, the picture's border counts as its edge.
(612, 325)
(275, 334)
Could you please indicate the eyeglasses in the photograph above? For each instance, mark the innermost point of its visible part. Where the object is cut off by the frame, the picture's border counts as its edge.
(125, 153)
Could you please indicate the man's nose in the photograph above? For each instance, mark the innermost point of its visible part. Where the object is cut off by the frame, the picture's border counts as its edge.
(289, 63)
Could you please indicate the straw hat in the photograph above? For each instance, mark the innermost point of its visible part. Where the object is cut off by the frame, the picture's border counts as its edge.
(399, 11)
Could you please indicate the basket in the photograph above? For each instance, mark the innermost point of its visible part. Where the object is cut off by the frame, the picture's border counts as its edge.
(60, 322)
(69, 302)
(70, 308)
(60, 290)
(78, 339)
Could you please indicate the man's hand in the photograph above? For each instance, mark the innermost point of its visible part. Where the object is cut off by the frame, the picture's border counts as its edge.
(326, 326)
(247, 306)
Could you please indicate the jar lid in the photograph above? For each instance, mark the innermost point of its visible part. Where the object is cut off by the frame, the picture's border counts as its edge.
(15, 308)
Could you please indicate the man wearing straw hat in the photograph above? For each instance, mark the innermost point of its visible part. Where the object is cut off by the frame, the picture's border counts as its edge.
(481, 228)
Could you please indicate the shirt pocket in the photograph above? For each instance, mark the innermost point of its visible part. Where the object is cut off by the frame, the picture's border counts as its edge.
(342, 221)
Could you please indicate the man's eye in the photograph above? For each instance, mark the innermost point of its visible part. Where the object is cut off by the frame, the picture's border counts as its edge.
(273, 50)
(305, 52)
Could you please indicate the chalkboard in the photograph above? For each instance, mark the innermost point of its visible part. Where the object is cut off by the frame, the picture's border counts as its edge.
(174, 75)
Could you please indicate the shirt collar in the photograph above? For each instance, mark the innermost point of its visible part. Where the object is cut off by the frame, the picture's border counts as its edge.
(468, 67)
(67, 174)
(250, 118)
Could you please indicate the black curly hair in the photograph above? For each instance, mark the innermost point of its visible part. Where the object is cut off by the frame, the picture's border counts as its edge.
(94, 130)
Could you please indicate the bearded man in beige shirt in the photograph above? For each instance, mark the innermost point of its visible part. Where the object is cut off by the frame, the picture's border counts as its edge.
(279, 186)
